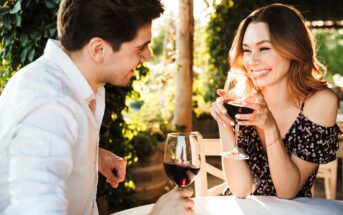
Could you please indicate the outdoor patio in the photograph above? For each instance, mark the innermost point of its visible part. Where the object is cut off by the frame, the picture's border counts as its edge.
(175, 91)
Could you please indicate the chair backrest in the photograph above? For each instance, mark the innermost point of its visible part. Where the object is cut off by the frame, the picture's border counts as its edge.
(328, 172)
(208, 147)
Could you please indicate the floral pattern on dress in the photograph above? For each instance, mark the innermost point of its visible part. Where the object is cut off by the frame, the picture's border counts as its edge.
(305, 139)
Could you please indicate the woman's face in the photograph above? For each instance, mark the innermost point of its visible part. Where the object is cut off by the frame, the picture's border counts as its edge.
(260, 58)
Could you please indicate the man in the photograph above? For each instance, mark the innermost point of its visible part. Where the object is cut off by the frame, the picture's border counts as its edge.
(51, 111)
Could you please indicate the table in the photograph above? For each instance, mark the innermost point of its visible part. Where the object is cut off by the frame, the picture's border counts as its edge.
(217, 205)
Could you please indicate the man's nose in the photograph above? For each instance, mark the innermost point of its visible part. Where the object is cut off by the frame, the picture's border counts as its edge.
(146, 56)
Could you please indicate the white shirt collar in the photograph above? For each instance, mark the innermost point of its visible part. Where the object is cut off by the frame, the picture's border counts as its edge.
(54, 52)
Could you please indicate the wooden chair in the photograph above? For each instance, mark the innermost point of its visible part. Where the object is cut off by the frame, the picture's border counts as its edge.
(208, 147)
(328, 172)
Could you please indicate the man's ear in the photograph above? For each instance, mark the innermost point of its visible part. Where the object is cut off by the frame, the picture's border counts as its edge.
(97, 49)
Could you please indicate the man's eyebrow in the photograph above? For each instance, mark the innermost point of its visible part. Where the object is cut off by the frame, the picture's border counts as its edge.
(144, 44)
(258, 43)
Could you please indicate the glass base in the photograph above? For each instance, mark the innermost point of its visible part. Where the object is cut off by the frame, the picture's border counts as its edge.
(235, 155)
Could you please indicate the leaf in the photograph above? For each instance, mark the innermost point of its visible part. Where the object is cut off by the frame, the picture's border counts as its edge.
(31, 55)
(16, 8)
(50, 4)
(7, 41)
(52, 32)
(23, 39)
(18, 20)
(4, 11)
(23, 54)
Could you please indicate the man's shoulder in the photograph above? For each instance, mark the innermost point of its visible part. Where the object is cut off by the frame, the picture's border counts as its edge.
(39, 82)
(42, 70)
(38, 77)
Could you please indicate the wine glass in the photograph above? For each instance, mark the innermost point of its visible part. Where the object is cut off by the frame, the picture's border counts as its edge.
(238, 88)
(181, 158)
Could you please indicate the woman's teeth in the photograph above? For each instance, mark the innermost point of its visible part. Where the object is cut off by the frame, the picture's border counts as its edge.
(260, 72)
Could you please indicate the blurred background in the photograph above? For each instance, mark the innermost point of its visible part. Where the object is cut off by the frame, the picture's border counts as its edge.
(166, 95)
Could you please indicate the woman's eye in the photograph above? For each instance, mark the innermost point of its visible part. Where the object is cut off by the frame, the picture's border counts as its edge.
(246, 50)
(264, 49)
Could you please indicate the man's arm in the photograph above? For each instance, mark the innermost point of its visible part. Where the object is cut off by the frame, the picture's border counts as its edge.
(112, 167)
(41, 161)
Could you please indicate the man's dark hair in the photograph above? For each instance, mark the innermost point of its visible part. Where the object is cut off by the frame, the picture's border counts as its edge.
(116, 21)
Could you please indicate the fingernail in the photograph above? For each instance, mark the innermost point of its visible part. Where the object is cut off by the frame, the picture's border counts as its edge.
(232, 123)
(238, 116)
(224, 124)
(223, 111)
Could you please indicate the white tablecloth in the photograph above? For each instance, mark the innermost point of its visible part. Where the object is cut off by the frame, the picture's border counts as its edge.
(217, 205)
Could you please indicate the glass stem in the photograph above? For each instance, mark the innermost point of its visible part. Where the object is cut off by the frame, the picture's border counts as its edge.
(235, 147)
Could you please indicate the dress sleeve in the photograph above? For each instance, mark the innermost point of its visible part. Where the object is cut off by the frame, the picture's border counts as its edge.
(318, 144)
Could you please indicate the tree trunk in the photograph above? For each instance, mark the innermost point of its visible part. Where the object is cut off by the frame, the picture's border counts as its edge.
(184, 58)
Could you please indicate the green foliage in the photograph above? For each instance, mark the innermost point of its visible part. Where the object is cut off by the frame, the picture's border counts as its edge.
(158, 44)
(156, 101)
(152, 111)
(330, 50)
(146, 143)
(200, 65)
(25, 27)
(23, 33)
(163, 45)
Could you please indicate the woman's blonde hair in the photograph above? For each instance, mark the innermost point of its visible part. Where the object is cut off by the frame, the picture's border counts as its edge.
(293, 40)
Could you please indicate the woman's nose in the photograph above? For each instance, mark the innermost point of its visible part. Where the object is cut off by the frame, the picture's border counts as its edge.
(254, 58)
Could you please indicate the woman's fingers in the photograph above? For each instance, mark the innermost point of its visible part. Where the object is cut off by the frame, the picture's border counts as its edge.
(261, 116)
(219, 113)
(257, 107)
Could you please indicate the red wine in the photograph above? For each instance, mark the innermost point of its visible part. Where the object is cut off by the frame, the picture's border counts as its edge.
(181, 174)
(234, 108)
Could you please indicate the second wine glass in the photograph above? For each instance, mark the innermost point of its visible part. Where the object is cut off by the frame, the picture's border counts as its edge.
(239, 88)
(181, 158)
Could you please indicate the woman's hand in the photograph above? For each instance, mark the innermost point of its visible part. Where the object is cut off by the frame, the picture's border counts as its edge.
(218, 111)
(261, 117)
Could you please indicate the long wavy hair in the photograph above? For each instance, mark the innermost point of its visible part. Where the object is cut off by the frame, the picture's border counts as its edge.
(293, 40)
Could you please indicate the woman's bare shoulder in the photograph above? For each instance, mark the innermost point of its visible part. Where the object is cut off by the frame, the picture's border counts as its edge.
(321, 107)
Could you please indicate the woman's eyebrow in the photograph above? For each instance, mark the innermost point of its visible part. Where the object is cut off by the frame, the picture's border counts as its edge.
(258, 43)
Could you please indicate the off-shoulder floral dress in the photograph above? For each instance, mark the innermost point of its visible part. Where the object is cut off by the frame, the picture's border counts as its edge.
(305, 139)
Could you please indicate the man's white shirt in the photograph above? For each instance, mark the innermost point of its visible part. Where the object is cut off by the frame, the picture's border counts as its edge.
(49, 138)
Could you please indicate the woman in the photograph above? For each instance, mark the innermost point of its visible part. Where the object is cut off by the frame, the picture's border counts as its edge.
(293, 127)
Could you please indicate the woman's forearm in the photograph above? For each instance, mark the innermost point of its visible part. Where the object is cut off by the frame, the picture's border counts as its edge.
(237, 173)
(238, 177)
(285, 174)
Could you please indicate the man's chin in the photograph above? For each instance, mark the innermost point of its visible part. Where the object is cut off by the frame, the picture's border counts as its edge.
(122, 84)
